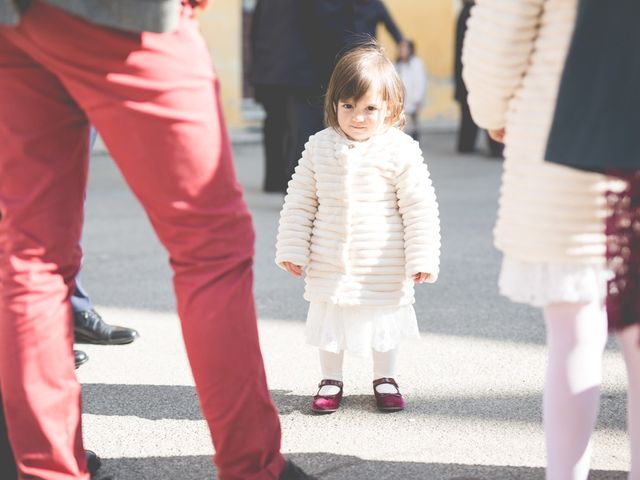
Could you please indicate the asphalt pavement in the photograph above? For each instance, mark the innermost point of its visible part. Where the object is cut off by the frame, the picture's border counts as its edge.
(473, 382)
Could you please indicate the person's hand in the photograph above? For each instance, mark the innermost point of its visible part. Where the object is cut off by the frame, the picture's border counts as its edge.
(201, 4)
(295, 270)
(421, 277)
(497, 135)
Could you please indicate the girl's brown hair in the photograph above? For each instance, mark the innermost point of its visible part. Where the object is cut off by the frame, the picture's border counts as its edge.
(358, 70)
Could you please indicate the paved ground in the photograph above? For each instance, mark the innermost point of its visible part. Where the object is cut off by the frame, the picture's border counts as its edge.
(473, 381)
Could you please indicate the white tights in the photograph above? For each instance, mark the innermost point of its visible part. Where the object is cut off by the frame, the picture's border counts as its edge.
(629, 340)
(384, 365)
(576, 337)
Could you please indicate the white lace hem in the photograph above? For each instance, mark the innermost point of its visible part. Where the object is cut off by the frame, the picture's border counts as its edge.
(359, 329)
(539, 284)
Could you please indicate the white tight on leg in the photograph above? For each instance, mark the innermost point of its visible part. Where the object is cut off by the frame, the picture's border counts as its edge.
(384, 365)
(576, 337)
(629, 339)
(331, 367)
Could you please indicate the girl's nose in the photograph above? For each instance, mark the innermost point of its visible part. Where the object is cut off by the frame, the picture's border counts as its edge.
(359, 117)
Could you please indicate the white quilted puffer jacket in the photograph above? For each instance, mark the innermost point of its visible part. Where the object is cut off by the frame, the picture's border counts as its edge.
(513, 56)
(362, 217)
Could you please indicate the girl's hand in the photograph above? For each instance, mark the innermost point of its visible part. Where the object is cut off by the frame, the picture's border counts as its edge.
(295, 270)
(497, 135)
(421, 277)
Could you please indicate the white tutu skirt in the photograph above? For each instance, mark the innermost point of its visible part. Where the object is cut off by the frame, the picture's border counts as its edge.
(359, 329)
(540, 284)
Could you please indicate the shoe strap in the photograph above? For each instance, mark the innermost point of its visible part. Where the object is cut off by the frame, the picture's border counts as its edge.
(384, 380)
(326, 381)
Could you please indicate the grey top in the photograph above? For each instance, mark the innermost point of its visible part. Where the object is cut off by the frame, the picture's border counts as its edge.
(134, 15)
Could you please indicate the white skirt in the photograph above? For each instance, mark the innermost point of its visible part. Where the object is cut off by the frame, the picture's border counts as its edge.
(359, 329)
(539, 284)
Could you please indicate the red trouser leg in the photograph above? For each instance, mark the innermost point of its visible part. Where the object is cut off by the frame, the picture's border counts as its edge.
(43, 160)
(154, 100)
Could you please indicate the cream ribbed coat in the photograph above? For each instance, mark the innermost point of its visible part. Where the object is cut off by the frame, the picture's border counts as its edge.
(362, 217)
(513, 56)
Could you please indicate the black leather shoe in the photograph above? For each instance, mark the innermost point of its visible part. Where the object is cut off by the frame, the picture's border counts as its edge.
(93, 462)
(80, 357)
(293, 472)
(90, 328)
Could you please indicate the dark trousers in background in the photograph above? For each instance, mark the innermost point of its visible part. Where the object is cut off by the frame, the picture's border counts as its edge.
(306, 117)
(468, 134)
(273, 99)
(292, 116)
(155, 100)
(80, 300)
(7, 463)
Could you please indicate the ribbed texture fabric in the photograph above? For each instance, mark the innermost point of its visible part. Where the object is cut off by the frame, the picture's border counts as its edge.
(362, 217)
(513, 57)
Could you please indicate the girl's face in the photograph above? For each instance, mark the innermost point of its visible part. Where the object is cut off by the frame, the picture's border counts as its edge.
(362, 119)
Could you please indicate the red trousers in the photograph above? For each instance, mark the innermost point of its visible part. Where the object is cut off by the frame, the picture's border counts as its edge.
(154, 99)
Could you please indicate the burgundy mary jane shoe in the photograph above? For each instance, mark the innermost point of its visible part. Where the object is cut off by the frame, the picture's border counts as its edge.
(388, 402)
(327, 403)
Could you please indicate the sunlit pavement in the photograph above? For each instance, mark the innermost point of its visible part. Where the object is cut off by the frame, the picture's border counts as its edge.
(473, 382)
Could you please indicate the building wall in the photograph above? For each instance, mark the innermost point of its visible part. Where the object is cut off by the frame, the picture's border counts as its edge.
(221, 25)
(429, 23)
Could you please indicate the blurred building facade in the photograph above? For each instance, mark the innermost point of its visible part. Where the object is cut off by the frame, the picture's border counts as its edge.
(429, 23)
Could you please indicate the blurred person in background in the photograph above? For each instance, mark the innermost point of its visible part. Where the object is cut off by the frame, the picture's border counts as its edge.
(368, 14)
(550, 225)
(595, 128)
(414, 78)
(294, 46)
(467, 129)
(148, 86)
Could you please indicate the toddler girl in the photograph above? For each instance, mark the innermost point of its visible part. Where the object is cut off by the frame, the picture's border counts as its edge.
(361, 217)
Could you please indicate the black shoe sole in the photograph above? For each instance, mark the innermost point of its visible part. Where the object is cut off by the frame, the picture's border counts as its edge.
(81, 362)
(94, 463)
(80, 338)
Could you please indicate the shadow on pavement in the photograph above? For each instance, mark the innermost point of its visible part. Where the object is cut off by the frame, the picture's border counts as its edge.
(327, 466)
(156, 402)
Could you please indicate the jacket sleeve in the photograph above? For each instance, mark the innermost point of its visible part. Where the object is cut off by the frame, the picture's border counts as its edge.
(497, 48)
(389, 24)
(293, 242)
(419, 210)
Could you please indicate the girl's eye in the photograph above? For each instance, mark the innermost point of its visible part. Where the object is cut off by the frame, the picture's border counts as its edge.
(347, 106)
(371, 108)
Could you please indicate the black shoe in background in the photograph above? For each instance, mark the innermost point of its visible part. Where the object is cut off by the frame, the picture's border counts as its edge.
(93, 462)
(80, 357)
(8, 467)
(89, 327)
(293, 472)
